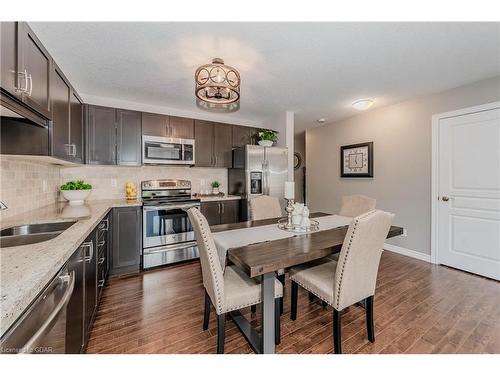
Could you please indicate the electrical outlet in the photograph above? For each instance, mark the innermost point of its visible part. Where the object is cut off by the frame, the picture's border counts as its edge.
(113, 182)
(405, 233)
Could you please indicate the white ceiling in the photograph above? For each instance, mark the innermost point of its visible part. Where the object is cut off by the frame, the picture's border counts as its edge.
(314, 69)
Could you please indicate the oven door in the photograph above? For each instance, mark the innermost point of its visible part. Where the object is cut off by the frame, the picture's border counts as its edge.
(167, 224)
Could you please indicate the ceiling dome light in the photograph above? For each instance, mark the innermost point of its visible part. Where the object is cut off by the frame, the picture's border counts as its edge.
(217, 86)
(362, 104)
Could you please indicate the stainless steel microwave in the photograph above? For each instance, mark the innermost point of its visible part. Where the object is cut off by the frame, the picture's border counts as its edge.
(163, 150)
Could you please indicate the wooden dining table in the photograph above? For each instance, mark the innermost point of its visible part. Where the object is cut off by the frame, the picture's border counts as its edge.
(263, 259)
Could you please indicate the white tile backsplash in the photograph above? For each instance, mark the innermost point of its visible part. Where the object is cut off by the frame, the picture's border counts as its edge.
(109, 181)
(26, 184)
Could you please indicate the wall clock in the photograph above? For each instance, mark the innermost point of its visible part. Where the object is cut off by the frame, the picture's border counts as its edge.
(297, 160)
(356, 160)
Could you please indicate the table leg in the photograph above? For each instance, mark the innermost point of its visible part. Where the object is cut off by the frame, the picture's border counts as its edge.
(268, 328)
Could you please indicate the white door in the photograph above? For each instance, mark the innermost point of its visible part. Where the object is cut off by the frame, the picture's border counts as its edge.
(469, 192)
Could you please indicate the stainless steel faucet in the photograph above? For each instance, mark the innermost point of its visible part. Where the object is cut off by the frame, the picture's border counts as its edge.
(3, 206)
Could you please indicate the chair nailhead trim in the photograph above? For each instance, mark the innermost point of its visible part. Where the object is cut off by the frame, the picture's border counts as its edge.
(204, 231)
(355, 224)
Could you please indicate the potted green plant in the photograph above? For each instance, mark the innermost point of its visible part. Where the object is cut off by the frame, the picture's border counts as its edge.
(76, 191)
(267, 137)
(215, 187)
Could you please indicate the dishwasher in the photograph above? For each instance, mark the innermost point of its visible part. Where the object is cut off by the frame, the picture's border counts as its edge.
(42, 327)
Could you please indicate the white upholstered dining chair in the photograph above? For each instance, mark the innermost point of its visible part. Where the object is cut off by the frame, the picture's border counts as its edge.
(353, 277)
(355, 205)
(352, 206)
(265, 207)
(227, 290)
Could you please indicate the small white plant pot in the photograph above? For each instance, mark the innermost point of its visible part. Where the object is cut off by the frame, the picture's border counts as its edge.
(76, 197)
(215, 190)
(265, 143)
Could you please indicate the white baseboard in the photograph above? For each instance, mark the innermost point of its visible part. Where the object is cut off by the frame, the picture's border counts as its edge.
(407, 252)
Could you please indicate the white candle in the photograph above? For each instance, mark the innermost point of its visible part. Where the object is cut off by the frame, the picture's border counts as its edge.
(289, 190)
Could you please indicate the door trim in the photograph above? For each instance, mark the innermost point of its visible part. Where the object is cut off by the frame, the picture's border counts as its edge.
(435, 167)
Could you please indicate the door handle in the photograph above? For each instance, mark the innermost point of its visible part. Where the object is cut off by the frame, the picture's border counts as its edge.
(446, 199)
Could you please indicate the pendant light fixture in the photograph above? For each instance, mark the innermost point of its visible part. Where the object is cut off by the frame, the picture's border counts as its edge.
(217, 86)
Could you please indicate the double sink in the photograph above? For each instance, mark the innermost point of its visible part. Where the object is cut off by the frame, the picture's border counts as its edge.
(32, 233)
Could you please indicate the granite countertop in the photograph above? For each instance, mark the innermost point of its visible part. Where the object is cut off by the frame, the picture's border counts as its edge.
(26, 270)
(216, 198)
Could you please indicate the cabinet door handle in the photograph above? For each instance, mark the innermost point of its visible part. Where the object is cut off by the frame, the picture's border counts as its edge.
(90, 245)
(215, 162)
(222, 205)
(25, 88)
(218, 207)
(104, 224)
(30, 78)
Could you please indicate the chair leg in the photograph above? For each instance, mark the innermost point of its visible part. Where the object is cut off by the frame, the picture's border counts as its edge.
(337, 331)
(311, 297)
(206, 316)
(370, 327)
(277, 315)
(295, 294)
(221, 332)
(253, 309)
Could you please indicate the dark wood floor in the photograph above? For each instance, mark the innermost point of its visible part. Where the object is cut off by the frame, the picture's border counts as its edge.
(419, 308)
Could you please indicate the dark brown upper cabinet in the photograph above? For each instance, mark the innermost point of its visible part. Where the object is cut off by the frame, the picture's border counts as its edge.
(181, 127)
(223, 145)
(25, 67)
(204, 143)
(113, 136)
(76, 127)
(154, 124)
(244, 135)
(167, 126)
(33, 67)
(213, 144)
(128, 130)
(61, 94)
(101, 135)
(8, 58)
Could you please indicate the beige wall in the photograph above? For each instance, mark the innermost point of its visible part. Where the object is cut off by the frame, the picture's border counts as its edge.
(402, 158)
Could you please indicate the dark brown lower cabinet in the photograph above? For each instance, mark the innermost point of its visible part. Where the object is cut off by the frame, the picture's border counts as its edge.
(126, 241)
(230, 212)
(221, 212)
(90, 256)
(211, 210)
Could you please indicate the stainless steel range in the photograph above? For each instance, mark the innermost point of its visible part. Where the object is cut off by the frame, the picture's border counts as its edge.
(168, 236)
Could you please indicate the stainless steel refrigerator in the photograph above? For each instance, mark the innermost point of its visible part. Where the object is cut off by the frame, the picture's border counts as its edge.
(258, 171)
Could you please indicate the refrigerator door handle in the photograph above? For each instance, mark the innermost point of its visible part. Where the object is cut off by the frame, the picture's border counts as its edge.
(265, 179)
